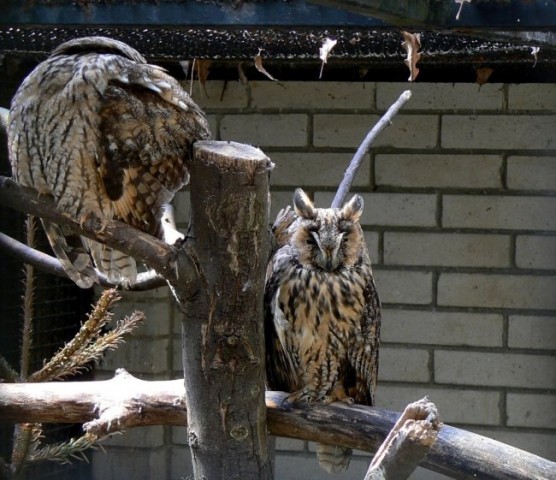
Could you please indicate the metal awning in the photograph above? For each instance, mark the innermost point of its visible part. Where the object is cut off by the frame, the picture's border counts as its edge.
(293, 31)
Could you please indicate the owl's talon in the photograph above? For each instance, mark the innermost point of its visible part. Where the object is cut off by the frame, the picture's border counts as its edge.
(304, 396)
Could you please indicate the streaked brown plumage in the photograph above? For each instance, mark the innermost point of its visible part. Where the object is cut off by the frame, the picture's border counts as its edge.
(322, 311)
(105, 134)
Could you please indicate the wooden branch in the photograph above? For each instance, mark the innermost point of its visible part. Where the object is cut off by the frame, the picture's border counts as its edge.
(46, 263)
(456, 453)
(154, 253)
(407, 443)
(357, 159)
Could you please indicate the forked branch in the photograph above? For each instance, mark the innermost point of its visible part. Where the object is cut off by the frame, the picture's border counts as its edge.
(126, 401)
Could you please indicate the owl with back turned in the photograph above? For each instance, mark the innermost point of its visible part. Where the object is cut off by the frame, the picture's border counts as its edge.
(105, 134)
(322, 311)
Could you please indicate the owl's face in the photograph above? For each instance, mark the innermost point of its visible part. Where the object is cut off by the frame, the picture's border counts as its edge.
(327, 238)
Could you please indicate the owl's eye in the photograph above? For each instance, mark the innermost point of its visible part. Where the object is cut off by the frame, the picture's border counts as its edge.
(312, 236)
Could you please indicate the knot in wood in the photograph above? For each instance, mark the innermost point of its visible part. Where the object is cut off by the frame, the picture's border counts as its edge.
(239, 432)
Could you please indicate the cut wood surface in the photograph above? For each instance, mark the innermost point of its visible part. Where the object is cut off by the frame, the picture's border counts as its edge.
(456, 453)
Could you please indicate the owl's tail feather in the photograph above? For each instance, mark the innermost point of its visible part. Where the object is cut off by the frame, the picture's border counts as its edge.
(118, 267)
(333, 459)
(72, 255)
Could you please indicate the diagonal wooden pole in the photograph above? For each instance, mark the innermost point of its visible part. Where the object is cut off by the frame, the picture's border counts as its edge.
(357, 159)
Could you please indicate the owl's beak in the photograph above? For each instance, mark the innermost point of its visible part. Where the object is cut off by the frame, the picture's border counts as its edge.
(329, 259)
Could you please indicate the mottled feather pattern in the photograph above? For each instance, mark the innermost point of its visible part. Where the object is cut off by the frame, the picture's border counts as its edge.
(322, 312)
(105, 134)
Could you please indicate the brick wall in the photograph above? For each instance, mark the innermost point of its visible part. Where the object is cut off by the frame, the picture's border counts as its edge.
(460, 219)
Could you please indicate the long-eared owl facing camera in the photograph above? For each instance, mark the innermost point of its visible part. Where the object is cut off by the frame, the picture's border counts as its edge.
(105, 134)
(322, 312)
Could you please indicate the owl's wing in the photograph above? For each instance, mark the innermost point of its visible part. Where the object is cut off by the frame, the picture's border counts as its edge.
(148, 124)
(147, 128)
(364, 357)
(280, 371)
(72, 255)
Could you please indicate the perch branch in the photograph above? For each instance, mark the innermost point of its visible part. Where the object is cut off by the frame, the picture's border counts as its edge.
(154, 253)
(46, 263)
(125, 401)
(407, 443)
(355, 163)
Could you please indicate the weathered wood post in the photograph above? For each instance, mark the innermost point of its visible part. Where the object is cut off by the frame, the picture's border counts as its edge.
(223, 335)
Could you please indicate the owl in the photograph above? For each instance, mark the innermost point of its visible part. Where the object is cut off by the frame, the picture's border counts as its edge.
(107, 135)
(322, 312)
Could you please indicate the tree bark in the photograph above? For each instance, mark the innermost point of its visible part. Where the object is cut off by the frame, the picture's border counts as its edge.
(456, 453)
(407, 443)
(223, 334)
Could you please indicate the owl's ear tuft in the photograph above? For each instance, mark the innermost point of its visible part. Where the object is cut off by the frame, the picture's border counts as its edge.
(353, 209)
(303, 205)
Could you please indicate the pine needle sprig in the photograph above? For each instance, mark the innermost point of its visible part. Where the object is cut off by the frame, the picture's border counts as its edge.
(90, 343)
(65, 452)
(7, 373)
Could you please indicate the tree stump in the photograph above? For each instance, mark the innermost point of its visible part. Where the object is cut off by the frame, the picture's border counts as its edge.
(223, 336)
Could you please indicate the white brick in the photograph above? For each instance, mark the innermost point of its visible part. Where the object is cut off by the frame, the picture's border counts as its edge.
(290, 444)
(536, 252)
(442, 96)
(501, 212)
(498, 131)
(530, 96)
(404, 287)
(312, 95)
(530, 410)
(393, 209)
(403, 365)
(497, 291)
(442, 328)
(406, 131)
(309, 169)
(531, 173)
(181, 464)
(472, 407)
(526, 331)
(494, 369)
(446, 249)
(146, 356)
(437, 171)
(144, 437)
(140, 464)
(268, 130)
(157, 312)
(219, 95)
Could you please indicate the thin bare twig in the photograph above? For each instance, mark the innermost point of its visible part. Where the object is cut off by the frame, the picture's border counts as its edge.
(357, 159)
(145, 280)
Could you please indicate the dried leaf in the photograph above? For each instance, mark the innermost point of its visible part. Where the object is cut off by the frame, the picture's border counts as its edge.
(184, 64)
(202, 68)
(534, 52)
(461, 2)
(483, 74)
(325, 50)
(412, 44)
(260, 68)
